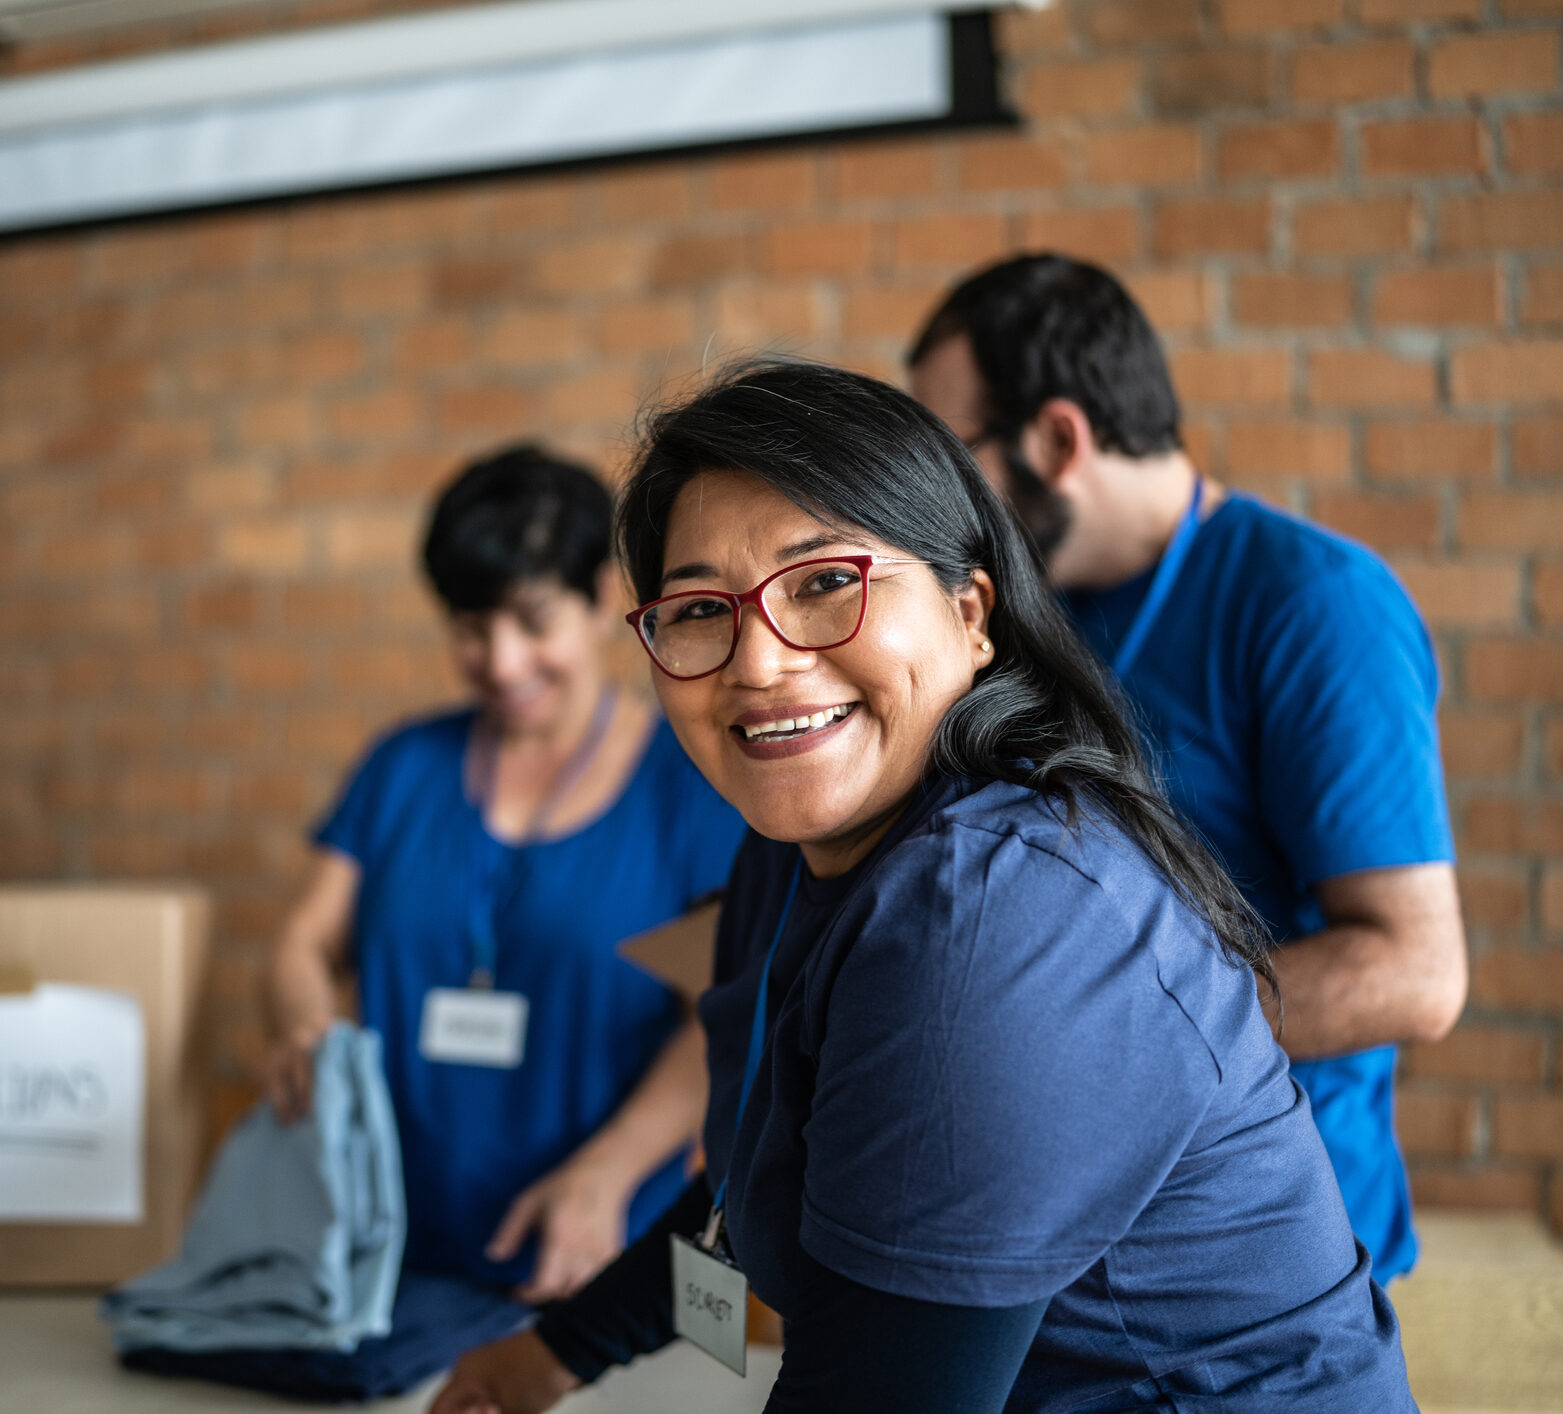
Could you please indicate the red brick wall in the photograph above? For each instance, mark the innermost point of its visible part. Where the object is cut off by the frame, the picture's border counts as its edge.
(217, 432)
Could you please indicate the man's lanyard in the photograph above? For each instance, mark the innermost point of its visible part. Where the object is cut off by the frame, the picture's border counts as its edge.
(1156, 596)
(756, 1048)
(485, 904)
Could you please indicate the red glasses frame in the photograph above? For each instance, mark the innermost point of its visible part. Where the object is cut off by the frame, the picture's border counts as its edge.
(754, 596)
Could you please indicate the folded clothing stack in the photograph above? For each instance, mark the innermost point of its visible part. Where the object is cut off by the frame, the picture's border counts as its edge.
(297, 1239)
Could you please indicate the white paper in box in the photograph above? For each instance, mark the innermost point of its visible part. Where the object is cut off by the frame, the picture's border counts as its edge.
(72, 1106)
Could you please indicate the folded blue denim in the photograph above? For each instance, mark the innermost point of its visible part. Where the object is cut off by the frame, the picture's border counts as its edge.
(297, 1239)
(436, 1318)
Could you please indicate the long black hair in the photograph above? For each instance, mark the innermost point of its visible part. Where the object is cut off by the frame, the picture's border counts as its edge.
(855, 452)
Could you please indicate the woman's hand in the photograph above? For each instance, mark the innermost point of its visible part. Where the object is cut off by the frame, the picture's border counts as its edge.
(289, 1076)
(578, 1210)
(517, 1375)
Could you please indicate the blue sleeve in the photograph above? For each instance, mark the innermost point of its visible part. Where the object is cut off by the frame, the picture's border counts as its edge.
(349, 826)
(1002, 1082)
(1348, 763)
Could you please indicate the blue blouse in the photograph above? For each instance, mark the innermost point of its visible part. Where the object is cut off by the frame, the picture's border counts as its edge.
(473, 1137)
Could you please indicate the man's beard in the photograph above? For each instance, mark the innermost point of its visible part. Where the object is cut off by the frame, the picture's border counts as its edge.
(1044, 513)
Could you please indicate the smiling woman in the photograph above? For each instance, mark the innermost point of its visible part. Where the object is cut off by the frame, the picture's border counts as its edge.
(996, 1119)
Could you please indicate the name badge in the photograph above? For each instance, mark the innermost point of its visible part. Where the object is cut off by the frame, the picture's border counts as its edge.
(462, 1026)
(710, 1303)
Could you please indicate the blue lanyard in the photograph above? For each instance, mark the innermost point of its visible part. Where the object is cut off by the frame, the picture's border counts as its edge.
(1160, 591)
(757, 1026)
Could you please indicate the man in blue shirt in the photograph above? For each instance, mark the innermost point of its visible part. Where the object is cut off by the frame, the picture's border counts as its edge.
(1283, 677)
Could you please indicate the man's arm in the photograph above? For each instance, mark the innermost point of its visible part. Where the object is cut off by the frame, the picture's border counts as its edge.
(1389, 967)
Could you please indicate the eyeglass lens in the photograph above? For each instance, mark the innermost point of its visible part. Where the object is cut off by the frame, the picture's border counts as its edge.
(812, 606)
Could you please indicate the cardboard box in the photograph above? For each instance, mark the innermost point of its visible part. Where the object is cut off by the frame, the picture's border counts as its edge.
(150, 945)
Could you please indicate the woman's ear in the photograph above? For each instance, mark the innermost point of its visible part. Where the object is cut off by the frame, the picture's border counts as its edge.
(974, 602)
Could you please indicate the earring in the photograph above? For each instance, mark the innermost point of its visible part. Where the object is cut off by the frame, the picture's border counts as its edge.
(985, 646)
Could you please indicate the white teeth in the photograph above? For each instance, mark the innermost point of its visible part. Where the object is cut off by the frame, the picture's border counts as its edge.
(813, 722)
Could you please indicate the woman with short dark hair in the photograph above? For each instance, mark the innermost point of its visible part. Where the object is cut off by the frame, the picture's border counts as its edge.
(476, 875)
(996, 1119)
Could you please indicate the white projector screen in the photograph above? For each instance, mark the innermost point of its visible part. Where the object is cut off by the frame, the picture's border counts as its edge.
(878, 70)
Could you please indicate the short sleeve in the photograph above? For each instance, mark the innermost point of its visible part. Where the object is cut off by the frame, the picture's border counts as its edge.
(1003, 1084)
(349, 825)
(1349, 771)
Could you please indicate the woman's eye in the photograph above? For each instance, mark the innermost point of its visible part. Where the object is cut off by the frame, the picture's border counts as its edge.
(693, 610)
(827, 580)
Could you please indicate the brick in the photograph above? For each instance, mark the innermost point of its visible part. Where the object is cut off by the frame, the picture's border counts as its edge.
(1477, 65)
(1430, 449)
(1454, 594)
(535, 338)
(1098, 88)
(1355, 226)
(1386, 523)
(819, 248)
(1553, 748)
(893, 169)
(333, 604)
(1429, 1122)
(1243, 377)
(1543, 302)
(1528, 1126)
(1507, 825)
(1213, 226)
(1423, 147)
(312, 359)
(1134, 23)
(1439, 296)
(602, 395)
(393, 412)
(235, 604)
(1536, 445)
(646, 194)
(895, 312)
(1513, 670)
(1489, 1188)
(1520, 372)
(1149, 155)
(1043, 31)
(1315, 451)
(1481, 744)
(646, 326)
(1533, 143)
(1108, 235)
(362, 291)
(365, 539)
(1175, 301)
(950, 239)
(1298, 301)
(1394, 12)
(1516, 220)
(496, 409)
(1011, 164)
(1241, 18)
(531, 204)
(1354, 73)
(1494, 896)
(1552, 901)
(1512, 520)
(1547, 594)
(272, 546)
(610, 263)
(757, 315)
(771, 181)
(1525, 9)
(1370, 378)
(480, 282)
(1208, 80)
(1280, 150)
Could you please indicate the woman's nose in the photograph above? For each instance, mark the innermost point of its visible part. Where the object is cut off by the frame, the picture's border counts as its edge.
(508, 651)
(759, 656)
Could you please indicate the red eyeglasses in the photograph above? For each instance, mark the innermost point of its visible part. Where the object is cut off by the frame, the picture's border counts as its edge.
(812, 605)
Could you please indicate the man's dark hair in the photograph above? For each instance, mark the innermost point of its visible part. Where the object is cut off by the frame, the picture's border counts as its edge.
(519, 514)
(855, 452)
(1045, 326)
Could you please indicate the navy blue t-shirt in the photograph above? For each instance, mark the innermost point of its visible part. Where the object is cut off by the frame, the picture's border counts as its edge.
(1288, 688)
(473, 1137)
(1006, 1065)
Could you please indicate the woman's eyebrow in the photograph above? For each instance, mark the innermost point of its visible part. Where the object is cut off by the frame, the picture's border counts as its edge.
(697, 570)
(798, 550)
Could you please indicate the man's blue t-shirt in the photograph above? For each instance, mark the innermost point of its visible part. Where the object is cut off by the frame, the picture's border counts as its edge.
(1288, 689)
(473, 1137)
(1006, 1065)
